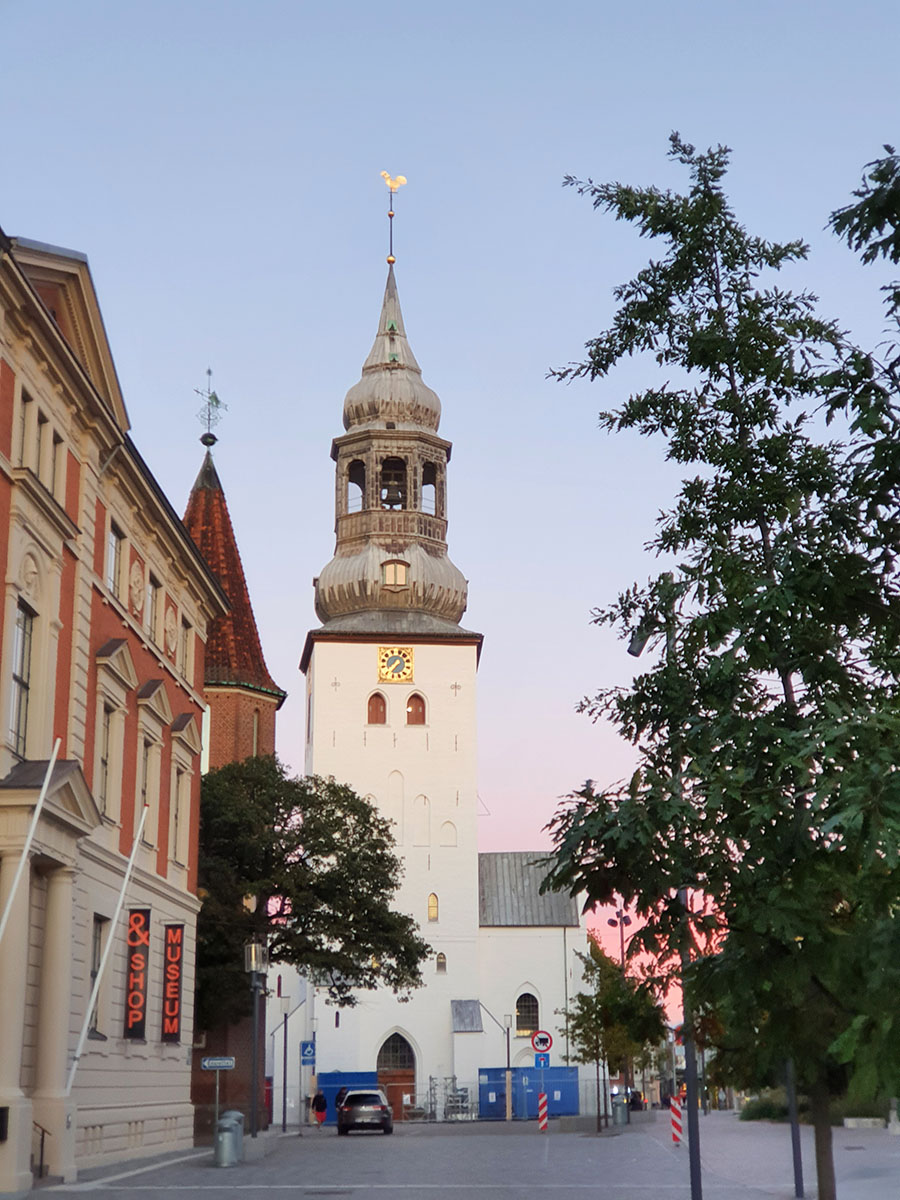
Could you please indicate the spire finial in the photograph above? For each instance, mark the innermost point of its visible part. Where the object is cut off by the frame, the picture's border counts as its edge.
(393, 184)
(211, 412)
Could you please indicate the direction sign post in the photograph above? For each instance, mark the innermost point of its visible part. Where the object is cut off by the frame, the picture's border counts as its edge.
(541, 1040)
(224, 1062)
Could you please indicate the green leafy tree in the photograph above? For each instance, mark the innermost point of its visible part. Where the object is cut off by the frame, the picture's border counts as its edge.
(310, 866)
(613, 1021)
(766, 727)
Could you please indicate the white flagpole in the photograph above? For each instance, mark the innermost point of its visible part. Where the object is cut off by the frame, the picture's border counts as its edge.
(23, 861)
(106, 951)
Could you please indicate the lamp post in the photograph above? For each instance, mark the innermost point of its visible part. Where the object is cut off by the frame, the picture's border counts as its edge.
(256, 962)
(620, 921)
(507, 1024)
(639, 640)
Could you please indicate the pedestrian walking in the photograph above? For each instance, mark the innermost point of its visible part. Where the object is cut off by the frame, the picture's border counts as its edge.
(320, 1106)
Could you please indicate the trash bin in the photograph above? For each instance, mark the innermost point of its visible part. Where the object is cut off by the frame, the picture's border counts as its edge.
(228, 1145)
(620, 1110)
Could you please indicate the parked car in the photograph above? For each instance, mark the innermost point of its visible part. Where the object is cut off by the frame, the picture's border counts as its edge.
(367, 1109)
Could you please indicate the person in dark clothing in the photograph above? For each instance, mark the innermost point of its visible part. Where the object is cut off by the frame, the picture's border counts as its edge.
(320, 1106)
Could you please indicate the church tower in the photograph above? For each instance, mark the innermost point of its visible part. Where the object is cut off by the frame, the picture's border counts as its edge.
(391, 702)
(241, 694)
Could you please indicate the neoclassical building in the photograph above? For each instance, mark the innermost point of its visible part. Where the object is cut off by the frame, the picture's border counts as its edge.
(391, 691)
(106, 609)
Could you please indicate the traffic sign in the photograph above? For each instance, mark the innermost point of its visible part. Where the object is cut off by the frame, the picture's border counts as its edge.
(225, 1063)
(541, 1061)
(541, 1041)
(307, 1054)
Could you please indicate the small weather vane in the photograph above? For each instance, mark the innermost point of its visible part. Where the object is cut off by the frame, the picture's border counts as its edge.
(393, 184)
(211, 412)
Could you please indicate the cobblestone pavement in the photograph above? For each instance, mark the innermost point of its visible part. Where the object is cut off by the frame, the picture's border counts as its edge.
(741, 1161)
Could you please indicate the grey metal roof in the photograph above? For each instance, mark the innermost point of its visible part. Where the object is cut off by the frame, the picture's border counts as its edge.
(395, 621)
(509, 892)
(466, 1016)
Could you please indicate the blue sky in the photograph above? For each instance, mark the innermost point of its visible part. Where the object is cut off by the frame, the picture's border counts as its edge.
(219, 164)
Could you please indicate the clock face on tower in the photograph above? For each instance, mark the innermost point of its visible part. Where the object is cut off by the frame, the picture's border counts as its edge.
(395, 664)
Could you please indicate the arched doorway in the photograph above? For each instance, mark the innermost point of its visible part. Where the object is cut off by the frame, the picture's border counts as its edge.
(397, 1074)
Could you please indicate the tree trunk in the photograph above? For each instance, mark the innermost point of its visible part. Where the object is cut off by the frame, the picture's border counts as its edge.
(818, 1102)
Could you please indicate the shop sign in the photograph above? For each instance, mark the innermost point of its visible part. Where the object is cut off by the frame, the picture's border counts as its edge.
(174, 963)
(138, 944)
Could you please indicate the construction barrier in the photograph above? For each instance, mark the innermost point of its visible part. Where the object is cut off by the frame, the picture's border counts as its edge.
(542, 1111)
(675, 1109)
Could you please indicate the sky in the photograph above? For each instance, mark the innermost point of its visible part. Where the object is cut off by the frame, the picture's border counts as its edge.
(219, 163)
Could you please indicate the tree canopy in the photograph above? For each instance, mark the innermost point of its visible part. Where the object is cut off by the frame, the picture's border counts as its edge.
(308, 864)
(767, 723)
(613, 1019)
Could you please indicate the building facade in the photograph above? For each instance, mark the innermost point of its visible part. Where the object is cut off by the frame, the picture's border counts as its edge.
(391, 709)
(106, 609)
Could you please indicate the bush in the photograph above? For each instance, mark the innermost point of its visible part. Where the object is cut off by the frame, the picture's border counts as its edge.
(839, 1109)
(768, 1106)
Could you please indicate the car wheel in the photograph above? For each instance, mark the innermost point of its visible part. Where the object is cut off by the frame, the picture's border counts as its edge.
(389, 1129)
(342, 1131)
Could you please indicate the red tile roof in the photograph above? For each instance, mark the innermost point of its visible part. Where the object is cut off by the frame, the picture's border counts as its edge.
(233, 651)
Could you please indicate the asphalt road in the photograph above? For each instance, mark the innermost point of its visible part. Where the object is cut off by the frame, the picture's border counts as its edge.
(741, 1161)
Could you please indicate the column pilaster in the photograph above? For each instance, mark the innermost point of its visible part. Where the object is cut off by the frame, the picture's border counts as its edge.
(15, 1152)
(52, 1108)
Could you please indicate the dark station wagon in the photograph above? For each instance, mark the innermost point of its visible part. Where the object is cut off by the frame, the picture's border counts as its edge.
(367, 1109)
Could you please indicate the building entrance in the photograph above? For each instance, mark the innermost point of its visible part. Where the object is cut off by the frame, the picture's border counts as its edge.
(397, 1074)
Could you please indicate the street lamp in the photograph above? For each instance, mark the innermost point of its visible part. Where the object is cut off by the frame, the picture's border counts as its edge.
(256, 963)
(507, 1024)
(639, 640)
(620, 920)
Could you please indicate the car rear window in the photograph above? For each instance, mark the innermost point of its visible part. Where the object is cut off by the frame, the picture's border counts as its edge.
(364, 1098)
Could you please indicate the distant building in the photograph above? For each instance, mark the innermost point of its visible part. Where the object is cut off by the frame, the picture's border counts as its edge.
(391, 711)
(106, 611)
(243, 700)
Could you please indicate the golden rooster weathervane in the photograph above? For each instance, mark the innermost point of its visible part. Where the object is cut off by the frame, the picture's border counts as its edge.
(393, 184)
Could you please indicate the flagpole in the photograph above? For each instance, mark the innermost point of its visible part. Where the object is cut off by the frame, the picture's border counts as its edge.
(106, 951)
(23, 861)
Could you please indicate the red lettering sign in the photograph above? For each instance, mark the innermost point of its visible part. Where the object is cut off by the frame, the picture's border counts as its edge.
(174, 959)
(138, 941)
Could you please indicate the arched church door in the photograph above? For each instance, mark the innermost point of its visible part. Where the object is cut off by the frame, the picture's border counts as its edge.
(397, 1073)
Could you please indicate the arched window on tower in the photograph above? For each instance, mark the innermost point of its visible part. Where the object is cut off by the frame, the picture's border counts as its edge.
(356, 486)
(393, 493)
(433, 908)
(377, 714)
(429, 489)
(526, 1015)
(415, 710)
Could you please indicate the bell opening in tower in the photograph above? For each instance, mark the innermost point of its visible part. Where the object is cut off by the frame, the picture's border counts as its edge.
(393, 484)
(356, 486)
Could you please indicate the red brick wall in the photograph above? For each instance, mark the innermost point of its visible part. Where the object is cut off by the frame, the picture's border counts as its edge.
(7, 391)
(231, 725)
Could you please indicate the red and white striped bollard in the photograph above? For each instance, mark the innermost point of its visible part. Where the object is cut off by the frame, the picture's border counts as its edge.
(675, 1108)
(542, 1111)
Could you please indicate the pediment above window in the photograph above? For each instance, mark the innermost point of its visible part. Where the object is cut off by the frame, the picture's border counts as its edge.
(115, 656)
(184, 730)
(152, 697)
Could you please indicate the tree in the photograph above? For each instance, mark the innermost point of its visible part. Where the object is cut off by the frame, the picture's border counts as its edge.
(310, 866)
(766, 730)
(613, 1021)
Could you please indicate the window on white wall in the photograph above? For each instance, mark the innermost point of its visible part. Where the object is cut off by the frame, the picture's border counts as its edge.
(440, 964)
(527, 1015)
(433, 907)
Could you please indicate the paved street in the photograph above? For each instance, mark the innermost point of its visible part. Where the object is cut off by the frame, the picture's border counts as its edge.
(495, 1162)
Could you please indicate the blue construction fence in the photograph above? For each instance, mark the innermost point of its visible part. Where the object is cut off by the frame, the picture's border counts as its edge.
(331, 1083)
(559, 1083)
